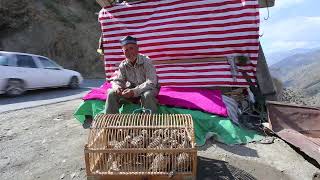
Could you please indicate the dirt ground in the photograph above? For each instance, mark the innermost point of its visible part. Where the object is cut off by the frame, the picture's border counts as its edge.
(46, 142)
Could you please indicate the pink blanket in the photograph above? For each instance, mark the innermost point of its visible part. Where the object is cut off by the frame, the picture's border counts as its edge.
(98, 93)
(191, 98)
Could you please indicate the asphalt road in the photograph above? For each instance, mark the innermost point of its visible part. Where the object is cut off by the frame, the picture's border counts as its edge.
(47, 96)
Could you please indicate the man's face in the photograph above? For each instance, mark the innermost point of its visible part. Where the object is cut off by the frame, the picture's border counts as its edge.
(130, 51)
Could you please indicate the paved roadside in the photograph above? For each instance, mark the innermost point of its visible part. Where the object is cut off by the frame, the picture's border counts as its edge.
(47, 96)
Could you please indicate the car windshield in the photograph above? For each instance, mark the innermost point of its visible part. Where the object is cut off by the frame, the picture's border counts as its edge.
(46, 63)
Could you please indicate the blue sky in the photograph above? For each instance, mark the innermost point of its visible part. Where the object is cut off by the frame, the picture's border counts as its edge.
(292, 24)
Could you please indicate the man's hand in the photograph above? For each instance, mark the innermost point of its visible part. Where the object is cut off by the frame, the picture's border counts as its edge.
(119, 91)
(128, 93)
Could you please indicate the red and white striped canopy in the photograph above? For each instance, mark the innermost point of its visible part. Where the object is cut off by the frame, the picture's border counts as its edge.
(185, 29)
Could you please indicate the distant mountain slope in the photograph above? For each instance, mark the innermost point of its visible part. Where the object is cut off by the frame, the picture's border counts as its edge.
(277, 56)
(66, 31)
(301, 71)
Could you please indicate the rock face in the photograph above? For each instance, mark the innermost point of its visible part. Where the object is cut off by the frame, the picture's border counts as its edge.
(297, 96)
(13, 14)
(66, 31)
(292, 96)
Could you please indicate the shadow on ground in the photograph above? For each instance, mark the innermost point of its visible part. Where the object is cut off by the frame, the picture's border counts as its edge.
(211, 169)
(240, 150)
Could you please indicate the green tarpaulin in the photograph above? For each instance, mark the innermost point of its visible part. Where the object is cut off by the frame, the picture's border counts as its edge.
(222, 128)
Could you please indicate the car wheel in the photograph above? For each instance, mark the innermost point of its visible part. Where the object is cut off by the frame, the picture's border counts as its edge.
(15, 87)
(74, 83)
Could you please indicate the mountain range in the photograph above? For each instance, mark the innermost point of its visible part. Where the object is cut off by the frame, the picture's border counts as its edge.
(299, 69)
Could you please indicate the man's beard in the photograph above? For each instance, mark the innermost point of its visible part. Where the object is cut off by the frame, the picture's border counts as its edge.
(132, 58)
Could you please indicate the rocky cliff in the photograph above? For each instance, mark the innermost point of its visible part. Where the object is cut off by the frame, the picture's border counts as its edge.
(66, 31)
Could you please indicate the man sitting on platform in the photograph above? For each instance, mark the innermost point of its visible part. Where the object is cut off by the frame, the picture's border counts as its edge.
(135, 79)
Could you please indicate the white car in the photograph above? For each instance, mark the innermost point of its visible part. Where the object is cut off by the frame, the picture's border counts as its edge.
(21, 71)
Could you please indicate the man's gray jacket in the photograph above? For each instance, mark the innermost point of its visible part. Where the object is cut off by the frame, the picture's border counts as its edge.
(141, 77)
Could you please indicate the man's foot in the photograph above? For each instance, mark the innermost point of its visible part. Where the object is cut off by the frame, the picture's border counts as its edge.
(87, 123)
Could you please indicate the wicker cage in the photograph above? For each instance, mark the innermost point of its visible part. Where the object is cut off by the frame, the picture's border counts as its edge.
(141, 145)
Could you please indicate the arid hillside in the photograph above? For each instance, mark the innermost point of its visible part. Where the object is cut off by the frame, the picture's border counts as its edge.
(299, 73)
(66, 31)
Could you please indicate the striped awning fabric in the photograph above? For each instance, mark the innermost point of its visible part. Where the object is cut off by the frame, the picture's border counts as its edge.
(179, 29)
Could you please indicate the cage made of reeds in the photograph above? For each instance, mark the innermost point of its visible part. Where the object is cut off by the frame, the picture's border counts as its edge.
(141, 145)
